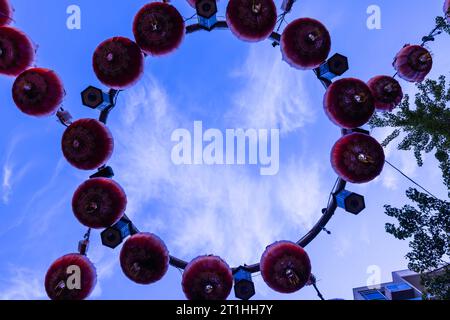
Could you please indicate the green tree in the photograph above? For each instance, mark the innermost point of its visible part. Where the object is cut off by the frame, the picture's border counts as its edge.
(442, 25)
(425, 128)
(428, 227)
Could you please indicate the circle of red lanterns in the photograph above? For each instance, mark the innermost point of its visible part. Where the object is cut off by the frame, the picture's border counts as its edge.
(251, 20)
(349, 103)
(16, 51)
(99, 203)
(387, 92)
(305, 44)
(207, 278)
(57, 285)
(118, 63)
(38, 92)
(358, 158)
(5, 13)
(447, 9)
(87, 144)
(285, 267)
(158, 28)
(144, 258)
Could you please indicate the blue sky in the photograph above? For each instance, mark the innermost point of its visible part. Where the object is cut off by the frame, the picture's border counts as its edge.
(226, 210)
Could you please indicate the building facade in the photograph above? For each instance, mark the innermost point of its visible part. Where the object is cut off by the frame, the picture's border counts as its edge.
(405, 285)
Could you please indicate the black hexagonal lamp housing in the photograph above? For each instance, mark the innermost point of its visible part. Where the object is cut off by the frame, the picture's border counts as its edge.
(95, 98)
(244, 288)
(351, 202)
(335, 66)
(113, 236)
(104, 172)
(206, 13)
(346, 131)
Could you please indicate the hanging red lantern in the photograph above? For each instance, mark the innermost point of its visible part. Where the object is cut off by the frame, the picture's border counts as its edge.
(285, 267)
(207, 278)
(38, 92)
(357, 158)
(118, 63)
(413, 63)
(349, 103)
(16, 51)
(71, 277)
(447, 9)
(386, 91)
(99, 203)
(305, 43)
(158, 28)
(144, 258)
(5, 12)
(251, 20)
(192, 3)
(87, 144)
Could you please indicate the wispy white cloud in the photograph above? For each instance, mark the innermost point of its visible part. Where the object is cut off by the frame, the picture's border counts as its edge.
(6, 183)
(22, 284)
(105, 261)
(273, 94)
(224, 210)
(342, 245)
(36, 199)
(12, 173)
(404, 160)
(364, 233)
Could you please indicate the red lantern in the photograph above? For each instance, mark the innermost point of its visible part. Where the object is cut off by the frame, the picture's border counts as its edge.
(386, 91)
(413, 63)
(305, 44)
(5, 12)
(118, 63)
(447, 9)
(99, 203)
(144, 258)
(16, 51)
(158, 28)
(38, 92)
(207, 278)
(192, 3)
(71, 277)
(87, 144)
(349, 103)
(357, 158)
(285, 267)
(251, 20)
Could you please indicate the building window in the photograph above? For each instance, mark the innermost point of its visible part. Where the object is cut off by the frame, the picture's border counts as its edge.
(399, 291)
(398, 287)
(372, 295)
